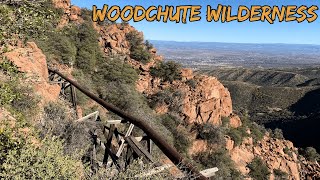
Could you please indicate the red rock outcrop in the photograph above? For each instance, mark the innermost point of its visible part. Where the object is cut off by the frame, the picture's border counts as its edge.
(208, 101)
(113, 39)
(32, 61)
(277, 154)
(71, 13)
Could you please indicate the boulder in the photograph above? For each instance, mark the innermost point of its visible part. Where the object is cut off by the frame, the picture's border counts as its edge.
(32, 61)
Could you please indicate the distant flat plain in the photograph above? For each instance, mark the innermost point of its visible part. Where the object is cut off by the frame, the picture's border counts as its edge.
(213, 54)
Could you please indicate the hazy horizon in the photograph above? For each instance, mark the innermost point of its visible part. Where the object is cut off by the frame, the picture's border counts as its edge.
(231, 42)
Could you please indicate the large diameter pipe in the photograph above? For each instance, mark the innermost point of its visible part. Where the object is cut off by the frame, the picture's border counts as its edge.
(165, 147)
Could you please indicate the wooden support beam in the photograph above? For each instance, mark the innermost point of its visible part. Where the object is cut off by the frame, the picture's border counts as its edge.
(108, 143)
(206, 173)
(122, 140)
(141, 138)
(73, 98)
(209, 172)
(149, 145)
(128, 157)
(94, 115)
(56, 82)
(113, 157)
(116, 121)
(138, 148)
(94, 152)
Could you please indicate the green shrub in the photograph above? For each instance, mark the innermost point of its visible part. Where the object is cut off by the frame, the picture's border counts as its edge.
(191, 83)
(44, 162)
(180, 135)
(278, 134)
(125, 97)
(7, 143)
(8, 94)
(113, 70)
(138, 51)
(280, 174)
(89, 53)
(29, 19)
(134, 38)
(220, 159)
(8, 67)
(181, 140)
(311, 154)
(170, 122)
(287, 151)
(55, 120)
(214, 134)
(148, 45)
(257, 132)
(236, 136)
(12, 93)
(27, 102)
(86, 14)
(169, 97)
(225, 121)
(167, 71)
(258, 169)
(73, 45)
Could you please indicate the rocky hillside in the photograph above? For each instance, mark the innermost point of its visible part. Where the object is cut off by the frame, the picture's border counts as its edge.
(193, 111)
(285, 98)
(205, 100)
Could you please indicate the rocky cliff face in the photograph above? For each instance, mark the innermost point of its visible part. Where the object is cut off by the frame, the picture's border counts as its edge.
(277, 154)
(208, 101)
(32, 61)
(71, 13)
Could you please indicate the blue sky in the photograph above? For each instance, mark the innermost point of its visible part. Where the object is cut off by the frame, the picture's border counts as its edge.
(245, 32)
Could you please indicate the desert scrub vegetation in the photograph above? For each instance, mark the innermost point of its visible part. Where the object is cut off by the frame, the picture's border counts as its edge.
(73, 45)
(134, 171)
(115, 70)
(257, 131)
(219, 158)
(237, 134)
(167, 97)
(28, 19)
(180, 134)
(192, 83)
(23, 154)
(13, 95)
(310, 154)
(277, 133)
(280, 174)
(167, 71)
(40, 162)
(258, 169)
(138, 50)
(213, 134)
